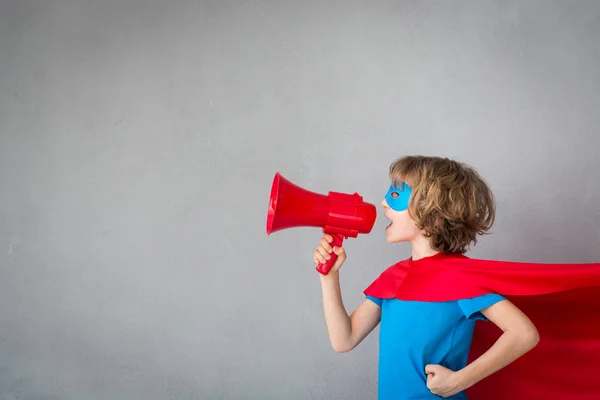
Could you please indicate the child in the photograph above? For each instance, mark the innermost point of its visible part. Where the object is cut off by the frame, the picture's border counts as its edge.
(439, 206)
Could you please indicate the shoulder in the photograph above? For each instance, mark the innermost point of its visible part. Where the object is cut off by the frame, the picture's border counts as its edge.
(387, 284)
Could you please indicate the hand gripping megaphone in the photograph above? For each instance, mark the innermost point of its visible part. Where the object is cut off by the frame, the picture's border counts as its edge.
(339, 214)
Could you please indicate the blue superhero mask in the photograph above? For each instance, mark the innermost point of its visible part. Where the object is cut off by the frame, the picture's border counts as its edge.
(397, 197)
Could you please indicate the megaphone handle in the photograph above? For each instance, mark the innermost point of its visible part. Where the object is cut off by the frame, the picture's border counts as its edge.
(324, 269)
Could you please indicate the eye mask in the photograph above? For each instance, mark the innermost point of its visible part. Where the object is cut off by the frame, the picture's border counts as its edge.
(397, 197)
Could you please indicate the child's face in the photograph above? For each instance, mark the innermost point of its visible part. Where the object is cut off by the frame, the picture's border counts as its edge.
(402, 228)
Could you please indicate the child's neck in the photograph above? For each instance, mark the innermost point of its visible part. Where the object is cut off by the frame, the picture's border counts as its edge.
(421, 248)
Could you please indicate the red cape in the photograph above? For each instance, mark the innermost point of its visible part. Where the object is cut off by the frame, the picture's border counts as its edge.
(562, 300)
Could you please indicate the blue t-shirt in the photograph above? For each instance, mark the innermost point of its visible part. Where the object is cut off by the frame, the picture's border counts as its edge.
(413, 334)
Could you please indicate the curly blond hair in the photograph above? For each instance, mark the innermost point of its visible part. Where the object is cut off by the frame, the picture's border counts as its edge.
(450, 202)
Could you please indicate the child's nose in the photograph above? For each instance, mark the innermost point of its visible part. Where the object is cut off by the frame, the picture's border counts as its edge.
(385, 204)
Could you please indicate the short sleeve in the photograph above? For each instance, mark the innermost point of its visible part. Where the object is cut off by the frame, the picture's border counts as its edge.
(472, 307)
(375, 300)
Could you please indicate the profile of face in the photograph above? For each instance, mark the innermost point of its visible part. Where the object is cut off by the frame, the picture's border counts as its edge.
(402, 228)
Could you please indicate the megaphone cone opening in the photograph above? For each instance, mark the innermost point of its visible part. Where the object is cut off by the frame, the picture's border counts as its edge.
(272, 203)
(292, 206)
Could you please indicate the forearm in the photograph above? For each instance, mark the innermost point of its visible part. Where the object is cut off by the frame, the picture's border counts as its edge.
(509, 347)
(336, 316)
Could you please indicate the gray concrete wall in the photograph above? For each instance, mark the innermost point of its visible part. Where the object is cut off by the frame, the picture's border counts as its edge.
(138, 141)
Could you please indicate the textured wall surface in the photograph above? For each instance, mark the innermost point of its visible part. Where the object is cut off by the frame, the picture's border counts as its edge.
(138, 141)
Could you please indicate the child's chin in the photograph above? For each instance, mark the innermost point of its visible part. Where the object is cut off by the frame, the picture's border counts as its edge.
(392, 239)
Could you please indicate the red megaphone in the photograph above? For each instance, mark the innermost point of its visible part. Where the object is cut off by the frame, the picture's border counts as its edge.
(339, 214)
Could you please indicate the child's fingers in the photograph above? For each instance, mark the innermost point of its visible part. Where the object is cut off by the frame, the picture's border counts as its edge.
(339, 251)
(323, 252)
(320, 254)
(341, 257)
(325, 244)
(317, 257)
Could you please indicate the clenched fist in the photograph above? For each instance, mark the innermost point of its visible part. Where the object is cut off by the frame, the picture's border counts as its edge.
(324, 250)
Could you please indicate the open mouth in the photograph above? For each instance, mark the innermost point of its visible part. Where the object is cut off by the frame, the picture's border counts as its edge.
(390, 224)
